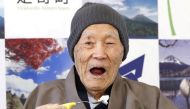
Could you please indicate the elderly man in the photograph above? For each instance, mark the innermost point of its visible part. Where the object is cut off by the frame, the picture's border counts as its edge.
(98, 44)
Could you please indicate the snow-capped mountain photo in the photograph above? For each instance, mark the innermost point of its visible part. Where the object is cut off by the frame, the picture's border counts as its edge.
(174, 67)
(173, 59)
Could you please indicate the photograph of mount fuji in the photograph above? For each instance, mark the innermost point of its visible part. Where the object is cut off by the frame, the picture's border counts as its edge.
(174, 65)
(141, 16)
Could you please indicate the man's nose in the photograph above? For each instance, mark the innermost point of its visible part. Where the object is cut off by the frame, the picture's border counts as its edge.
(99, 51)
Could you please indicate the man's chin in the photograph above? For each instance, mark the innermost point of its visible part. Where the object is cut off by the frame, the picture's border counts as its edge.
(95, 87)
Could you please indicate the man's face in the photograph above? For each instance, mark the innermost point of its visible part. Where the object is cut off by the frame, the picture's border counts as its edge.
(98, 55)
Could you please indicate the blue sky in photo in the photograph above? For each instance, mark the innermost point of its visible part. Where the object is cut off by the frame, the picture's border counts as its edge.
(55, 65)
(146, 7)
(151, 3)
(131, 8)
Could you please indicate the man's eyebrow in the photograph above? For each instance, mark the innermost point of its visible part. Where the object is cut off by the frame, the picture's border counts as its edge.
(112, 34)
(87, 34)
(87, 37)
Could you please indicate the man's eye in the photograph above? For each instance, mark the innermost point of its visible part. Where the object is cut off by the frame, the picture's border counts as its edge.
(109, 43)
(88, 43)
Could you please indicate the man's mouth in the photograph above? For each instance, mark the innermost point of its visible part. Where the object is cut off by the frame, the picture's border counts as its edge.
(97, 71)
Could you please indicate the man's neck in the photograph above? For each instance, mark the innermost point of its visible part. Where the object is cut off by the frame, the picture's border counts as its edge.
(96, 94)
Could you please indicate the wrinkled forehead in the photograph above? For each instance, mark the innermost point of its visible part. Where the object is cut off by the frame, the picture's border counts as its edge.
(100, 29)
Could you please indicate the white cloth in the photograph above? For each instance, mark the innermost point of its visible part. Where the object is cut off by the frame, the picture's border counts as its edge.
(91, 101)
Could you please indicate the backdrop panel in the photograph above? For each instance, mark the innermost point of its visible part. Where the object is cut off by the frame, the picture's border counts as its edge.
(2, 75)
(173, 18)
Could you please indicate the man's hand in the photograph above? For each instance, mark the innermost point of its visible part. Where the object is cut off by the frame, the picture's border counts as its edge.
(51, 106)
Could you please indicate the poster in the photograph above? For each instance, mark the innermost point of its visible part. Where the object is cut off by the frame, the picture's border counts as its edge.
(158, 32)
